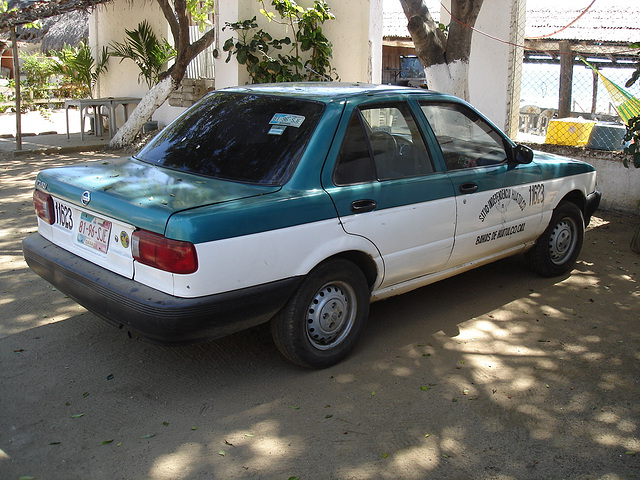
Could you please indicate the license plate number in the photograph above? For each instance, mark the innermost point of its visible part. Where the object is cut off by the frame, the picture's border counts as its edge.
(64, 216)
(94, 232)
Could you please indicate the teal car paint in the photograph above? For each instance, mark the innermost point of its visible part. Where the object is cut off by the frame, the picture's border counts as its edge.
(140, 194)
(298, 205)
(251, 215)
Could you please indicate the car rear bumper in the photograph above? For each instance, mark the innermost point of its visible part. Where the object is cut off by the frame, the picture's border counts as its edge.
(156, 316)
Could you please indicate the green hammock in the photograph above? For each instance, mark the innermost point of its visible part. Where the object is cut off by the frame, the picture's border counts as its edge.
(626, 104)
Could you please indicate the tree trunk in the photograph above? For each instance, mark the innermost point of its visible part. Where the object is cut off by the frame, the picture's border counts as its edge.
(151, 101)
(445, 57)
(451, 78)
(178, 20)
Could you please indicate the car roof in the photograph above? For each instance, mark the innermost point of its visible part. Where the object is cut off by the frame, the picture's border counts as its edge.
(331, 91)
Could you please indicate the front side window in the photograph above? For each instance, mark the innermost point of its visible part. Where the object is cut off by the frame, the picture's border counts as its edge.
(465, 138)
(239, 137)
(382, 142)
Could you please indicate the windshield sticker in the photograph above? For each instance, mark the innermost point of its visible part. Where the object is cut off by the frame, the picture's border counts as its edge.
(287, 120)
(277, 130)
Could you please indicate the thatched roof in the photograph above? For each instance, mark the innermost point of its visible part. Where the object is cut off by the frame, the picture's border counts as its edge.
(27, 11)
(56, 32)
(68, 29)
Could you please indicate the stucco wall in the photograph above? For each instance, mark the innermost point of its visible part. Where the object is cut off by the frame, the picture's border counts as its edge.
(491, 68)
(357, 42)
(356, 35)
(620, 186)
(107, 24)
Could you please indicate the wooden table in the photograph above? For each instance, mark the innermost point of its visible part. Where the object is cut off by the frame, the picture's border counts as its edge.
(112, 103)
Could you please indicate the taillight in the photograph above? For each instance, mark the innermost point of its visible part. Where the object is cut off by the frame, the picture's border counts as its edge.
(157, 251)
(43, 203)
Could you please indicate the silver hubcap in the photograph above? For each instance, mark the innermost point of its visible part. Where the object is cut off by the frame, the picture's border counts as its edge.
(562, 241)
(330, 315)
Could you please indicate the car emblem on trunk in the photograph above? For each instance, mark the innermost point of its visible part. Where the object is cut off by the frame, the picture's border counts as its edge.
(86, 197)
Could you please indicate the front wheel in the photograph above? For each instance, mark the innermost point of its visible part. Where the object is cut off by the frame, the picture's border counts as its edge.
(557, 249)
(321, 323)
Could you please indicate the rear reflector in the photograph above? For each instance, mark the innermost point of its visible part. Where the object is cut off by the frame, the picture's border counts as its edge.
(43, 203)
(157, 251)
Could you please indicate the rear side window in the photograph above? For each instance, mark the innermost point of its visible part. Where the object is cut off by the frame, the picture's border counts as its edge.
(382, 142)
(244, 138)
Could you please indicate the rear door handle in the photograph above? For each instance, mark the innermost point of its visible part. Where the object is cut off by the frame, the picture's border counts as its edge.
(363, 206)
(468, 187)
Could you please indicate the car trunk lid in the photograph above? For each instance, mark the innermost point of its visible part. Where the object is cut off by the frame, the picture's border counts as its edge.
(138, 193)
(97, 206)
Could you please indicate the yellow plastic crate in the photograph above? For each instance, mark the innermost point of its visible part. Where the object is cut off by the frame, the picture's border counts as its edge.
(569, 131)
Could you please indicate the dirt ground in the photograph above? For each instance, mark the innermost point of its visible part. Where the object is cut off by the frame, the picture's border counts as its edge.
(495, 374)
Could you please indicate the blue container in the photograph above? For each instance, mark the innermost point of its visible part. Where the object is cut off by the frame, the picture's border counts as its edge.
(607, 136)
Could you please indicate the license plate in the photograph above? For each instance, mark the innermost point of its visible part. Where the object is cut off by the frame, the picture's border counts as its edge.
(94, 232)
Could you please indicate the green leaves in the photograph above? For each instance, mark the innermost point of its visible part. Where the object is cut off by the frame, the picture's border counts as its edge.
(146, 50)
(257, 51)
(200, 10)
(78, 67)
(632, 151)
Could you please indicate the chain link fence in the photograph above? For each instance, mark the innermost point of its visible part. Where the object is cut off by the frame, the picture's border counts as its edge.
(563, 100)
(592, 120)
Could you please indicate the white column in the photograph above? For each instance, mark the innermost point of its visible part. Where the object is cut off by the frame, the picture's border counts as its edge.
(495, 64)
(226, 74)
(356, 35)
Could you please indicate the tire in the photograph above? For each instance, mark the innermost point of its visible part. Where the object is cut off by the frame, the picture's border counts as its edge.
(557, 249)
(322, 321)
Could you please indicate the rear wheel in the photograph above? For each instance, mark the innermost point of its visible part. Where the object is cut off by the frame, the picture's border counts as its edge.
(321, 323)
(557, 249)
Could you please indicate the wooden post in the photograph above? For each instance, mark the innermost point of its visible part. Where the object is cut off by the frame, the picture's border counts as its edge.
(594, 92)
(566, 79)
(16, 77)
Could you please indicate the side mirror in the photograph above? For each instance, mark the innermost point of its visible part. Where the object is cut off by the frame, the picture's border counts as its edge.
(522, 154)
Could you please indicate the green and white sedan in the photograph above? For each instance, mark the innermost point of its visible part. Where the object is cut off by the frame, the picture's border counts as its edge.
(298, 205)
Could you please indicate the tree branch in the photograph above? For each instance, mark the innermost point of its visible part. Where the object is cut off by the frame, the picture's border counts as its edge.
(170, 16)
(199, 45)
(427, 38)
(467, 12)
(183, 21)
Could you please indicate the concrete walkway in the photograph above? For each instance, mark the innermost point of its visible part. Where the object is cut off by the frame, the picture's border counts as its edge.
(53, 143)
(47, 134)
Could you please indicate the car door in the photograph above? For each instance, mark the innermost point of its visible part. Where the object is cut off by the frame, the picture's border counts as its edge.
(498, 202)
(385, 188)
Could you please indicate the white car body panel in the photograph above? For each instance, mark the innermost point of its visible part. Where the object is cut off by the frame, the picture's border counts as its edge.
(118, 257)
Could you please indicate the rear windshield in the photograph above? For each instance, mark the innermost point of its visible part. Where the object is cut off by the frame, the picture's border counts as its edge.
(239, 137)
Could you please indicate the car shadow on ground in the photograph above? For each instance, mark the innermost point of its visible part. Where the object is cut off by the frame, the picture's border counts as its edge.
(496, 373)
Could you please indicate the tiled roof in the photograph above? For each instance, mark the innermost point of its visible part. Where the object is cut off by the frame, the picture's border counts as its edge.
(394, 21)
(606, 20)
